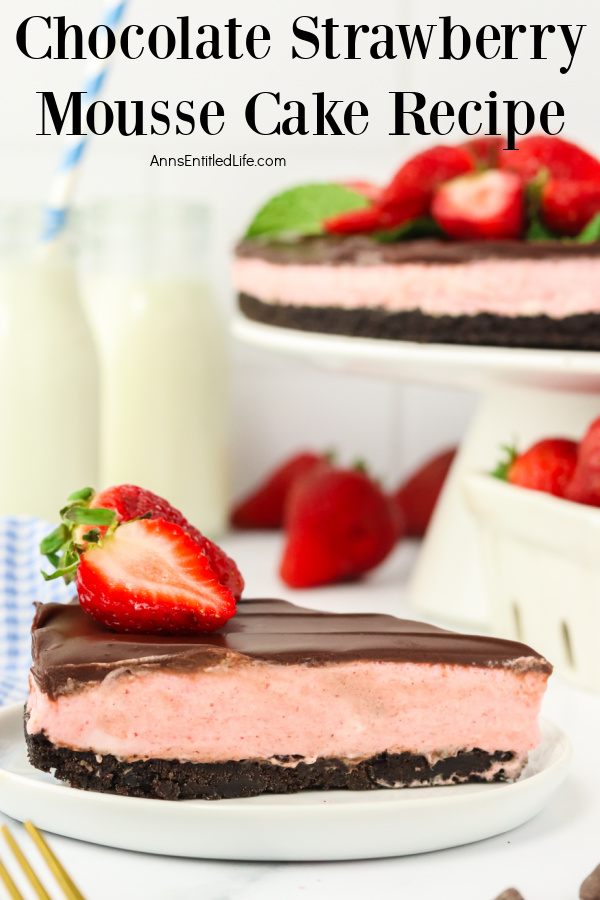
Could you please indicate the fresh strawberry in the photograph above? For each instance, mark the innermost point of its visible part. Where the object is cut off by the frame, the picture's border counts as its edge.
(560, 158)
(264, 506)
(339, 525)
(358, 221)
(584, 486)
(410, 192)
(568, 206)
(488, 205)
(417, 496)
(150, 576)
(485, 151)
(132, 502)
(547, 466)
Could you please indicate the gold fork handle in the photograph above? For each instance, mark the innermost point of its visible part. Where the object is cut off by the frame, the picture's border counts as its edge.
(13, 892)
(40, 891)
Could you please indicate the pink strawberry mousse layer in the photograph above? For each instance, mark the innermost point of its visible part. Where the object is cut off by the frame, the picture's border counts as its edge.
(519, 287)
(260, 710)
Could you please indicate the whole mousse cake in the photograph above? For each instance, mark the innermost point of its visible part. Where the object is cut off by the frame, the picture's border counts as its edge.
(469, 244)
(160, 681)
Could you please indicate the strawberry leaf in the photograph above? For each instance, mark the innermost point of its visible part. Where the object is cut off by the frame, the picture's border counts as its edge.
(591, 233)
(302, 210)
(80, 515)
(537, 230)
(504, 465)
(62, 546)
(415, 228)
(84, 494)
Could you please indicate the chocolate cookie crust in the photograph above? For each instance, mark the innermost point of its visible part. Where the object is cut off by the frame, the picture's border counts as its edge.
(576, 332)
(173, 780)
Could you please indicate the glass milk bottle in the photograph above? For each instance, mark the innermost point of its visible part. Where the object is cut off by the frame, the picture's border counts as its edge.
(163, 354)
(48, 373)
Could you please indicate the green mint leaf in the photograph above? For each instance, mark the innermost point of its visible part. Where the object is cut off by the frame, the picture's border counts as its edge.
(591, 233)
(83, 515)
(302, 210)
(415, 228)
(84, 494)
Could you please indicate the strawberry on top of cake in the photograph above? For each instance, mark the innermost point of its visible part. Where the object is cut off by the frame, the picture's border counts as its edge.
(470, 243)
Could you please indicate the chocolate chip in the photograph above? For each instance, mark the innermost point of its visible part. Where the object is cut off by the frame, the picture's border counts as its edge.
(590, 889)
(510, 894)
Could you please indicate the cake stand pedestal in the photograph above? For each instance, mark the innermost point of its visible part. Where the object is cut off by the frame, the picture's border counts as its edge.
(525, 395)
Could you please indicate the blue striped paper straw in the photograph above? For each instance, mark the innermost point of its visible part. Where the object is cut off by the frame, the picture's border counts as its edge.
(63, 185)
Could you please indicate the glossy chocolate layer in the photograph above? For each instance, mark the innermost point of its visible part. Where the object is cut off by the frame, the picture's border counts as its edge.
(70, 648)
(363, 250)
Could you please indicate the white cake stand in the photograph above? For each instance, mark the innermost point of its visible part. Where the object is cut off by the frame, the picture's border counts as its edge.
(525, 395)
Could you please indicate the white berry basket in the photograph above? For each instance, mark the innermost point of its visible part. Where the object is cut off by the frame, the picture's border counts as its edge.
(542, 562)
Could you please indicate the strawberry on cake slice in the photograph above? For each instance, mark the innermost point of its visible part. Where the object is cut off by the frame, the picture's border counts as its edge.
(155, 682)
(470, 244)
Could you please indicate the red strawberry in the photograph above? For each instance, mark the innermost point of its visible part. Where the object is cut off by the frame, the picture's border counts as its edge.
(357, 221)
(339, 525)
(411, 190)
(150, 576)
(488, 205)
(584, 487)
(560, 158)
(409, 194)
(568, 206)
(264, 507)
(417, 496)
(131, 502)
(485, 151)
(547, 466)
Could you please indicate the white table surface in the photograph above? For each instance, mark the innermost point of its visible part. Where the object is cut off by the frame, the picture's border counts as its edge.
(546, 859)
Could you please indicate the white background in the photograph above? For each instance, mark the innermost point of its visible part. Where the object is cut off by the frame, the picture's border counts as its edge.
(279, 405)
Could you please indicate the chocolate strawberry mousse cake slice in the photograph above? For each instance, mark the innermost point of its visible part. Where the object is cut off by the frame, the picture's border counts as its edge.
(157, 683)
(280, 699)
(468, 244)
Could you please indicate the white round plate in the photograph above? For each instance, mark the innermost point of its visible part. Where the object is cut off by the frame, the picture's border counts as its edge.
(448, 364)
(307, 826)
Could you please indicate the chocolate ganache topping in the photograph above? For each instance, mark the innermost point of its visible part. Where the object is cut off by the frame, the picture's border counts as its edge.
(70, 649)
(362, 250)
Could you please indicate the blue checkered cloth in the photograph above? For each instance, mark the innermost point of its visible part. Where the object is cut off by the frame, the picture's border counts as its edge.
(21, 584)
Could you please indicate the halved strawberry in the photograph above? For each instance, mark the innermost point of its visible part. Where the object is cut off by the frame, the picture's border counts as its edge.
(411, 190)
(130, 502)
(264, 506)
(150, 576)
(488, 205)
(560, 158)
(567, 206)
